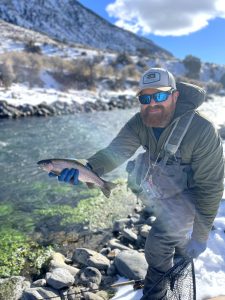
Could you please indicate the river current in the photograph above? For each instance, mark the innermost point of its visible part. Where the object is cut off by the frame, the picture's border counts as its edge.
(23, 187)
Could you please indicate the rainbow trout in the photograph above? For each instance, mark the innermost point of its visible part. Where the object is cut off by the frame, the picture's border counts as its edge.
(56, 165)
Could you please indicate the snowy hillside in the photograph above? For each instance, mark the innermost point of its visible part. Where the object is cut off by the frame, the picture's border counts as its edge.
(70, 21)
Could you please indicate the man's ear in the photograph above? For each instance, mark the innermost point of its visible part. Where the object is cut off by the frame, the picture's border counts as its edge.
(176, 95)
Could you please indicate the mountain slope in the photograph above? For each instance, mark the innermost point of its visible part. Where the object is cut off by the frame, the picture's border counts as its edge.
(68, 20)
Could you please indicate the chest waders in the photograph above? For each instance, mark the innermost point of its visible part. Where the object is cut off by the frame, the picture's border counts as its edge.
(153, 180)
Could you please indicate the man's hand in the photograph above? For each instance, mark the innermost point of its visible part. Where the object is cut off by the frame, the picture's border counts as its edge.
(67, 175)
(195, 248)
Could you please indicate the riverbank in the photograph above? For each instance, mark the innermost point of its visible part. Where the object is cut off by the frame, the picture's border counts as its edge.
(87, 274)
(44, 109)
(20, 101)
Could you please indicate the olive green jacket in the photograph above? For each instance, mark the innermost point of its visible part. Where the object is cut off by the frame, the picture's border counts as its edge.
(201, 148)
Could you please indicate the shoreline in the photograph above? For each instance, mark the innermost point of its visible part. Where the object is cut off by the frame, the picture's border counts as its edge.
(44, 109)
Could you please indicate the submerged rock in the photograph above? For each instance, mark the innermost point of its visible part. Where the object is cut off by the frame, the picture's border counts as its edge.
(12, 288)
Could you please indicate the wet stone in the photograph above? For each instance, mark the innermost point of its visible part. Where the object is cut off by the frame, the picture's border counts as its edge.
(91, 258)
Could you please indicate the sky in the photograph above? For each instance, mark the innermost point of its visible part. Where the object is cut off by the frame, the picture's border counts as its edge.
(195, 27)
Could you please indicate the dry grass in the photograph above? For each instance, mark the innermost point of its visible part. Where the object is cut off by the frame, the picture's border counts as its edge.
(80, 73)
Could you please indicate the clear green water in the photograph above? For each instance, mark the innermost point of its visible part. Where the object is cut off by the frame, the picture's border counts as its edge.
(25, 191)
(36, 207)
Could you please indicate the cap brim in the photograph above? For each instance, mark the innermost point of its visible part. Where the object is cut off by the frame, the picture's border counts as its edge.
(161, 88)
(164, 88)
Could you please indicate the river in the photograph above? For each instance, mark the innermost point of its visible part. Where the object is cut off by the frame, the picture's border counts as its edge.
(24, 189)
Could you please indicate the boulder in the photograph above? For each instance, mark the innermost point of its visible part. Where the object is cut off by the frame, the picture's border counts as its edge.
(131, 264)
(91, 258)
(59, 278)
(90, 277)
(58, 261)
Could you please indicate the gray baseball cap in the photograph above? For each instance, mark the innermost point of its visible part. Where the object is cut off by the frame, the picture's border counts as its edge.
(157, 78)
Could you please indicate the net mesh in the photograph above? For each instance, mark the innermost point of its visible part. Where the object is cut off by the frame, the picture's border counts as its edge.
(180, 281)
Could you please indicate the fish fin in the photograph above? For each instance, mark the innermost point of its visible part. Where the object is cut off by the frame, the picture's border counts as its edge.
(90, 185)
(108, 186)
(82, 161)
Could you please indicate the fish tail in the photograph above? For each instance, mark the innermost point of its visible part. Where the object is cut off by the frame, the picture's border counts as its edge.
(107, 187)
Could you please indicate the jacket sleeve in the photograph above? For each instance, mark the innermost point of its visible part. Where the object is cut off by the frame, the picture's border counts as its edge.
(208, 175)
(122, 147)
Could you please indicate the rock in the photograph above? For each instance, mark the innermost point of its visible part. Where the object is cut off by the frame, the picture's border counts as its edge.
(59, 278)
(74, 293)
(144, 230)
(105, 251)
(39, 283)
(150, 220)
(136, 219)
(13, 287)
(49, 108)
(129, 234)
(112, 254)
(58, 261)
(91, 258)
(111, 271)
(103, 295)
(115, 244)
(40, 293)
(92, 296)
(131, 264)
(90, 277)
(118, 225)
(108, 280)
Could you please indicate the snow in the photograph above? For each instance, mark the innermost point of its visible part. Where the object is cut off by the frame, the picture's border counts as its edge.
(19, 94)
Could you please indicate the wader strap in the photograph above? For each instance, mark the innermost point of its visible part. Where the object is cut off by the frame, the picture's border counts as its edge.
(177, 134)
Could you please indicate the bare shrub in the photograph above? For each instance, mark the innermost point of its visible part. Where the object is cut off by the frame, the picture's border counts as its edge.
(81, 75)
(213, 87)
(130, 72)
(30, 46)
(7, 75)
(123, 59)
(192, 65)
(102, 71)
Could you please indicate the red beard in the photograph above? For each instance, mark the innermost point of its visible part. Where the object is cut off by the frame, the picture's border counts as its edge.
(160, 118)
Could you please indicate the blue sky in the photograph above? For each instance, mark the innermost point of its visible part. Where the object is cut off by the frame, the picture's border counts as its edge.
(194, 27)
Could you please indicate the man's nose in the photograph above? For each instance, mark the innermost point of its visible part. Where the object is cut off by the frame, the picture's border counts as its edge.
(152, 102)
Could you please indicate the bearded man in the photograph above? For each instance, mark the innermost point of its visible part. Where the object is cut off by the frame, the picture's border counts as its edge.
(190, 182)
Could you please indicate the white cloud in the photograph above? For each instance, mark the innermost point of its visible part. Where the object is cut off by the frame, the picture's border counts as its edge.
(165, 17)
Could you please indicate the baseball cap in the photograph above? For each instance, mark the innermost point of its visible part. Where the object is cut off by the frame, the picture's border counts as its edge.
(157, 78)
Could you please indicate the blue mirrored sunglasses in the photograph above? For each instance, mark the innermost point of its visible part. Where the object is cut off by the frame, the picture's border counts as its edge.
(158, 97)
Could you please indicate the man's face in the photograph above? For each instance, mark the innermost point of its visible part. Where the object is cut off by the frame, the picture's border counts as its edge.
(158, 114)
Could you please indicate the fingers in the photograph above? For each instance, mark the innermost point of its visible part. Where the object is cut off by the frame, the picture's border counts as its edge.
(63, 175)
(69, 175)
(51, 174)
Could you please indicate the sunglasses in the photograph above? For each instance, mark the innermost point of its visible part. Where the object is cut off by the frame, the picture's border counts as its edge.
(158, 97)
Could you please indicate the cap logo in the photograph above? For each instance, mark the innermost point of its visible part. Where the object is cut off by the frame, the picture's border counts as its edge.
(151, 77)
